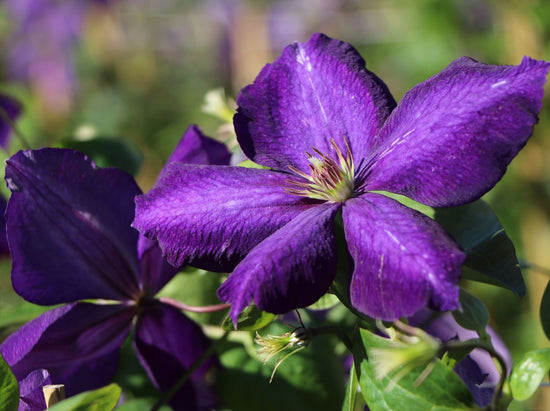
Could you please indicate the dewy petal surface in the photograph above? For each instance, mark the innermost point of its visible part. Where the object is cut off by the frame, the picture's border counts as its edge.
(290, 269)
(212, 216)
(403, 260)
(68, 225)
(451, 137)
(315, 91)
(72, 337)
(168, 343)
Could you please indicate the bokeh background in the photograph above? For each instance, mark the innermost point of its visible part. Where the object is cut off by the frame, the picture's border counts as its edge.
(137, 71)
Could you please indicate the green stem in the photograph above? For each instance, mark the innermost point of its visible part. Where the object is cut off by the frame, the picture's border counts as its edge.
(193, 308)
(183, 379)
(487, 346)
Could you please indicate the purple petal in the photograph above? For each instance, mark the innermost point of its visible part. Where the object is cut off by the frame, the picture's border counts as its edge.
(68, 225)
(212, 216)
(451, 137)
(168, 343)
(290, 269)
(315, 91)
(10, 109)
(30, 390)
(155, 270)
(196, 148)
(403, 260)
(77, 343)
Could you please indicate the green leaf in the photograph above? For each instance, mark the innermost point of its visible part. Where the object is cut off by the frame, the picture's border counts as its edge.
(545, 311)
(441, 390)
(350, 400)
(141, 404)
(251, 319)
(474, 314)
(529, 372)
(491, 256)
(108, 152)
(20, 313)
(325, 302)
(310, 379)
(102, 399)
(9, 389)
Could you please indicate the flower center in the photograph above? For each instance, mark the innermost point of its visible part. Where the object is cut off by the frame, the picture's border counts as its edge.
(330, 180)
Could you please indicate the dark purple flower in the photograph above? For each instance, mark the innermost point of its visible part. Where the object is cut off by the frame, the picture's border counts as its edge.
(334, 140)
(69, 231)
(10, 109)
(477, 370)
(30, 388)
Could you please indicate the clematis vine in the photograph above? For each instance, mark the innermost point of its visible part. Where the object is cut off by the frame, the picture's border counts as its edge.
(69, 232)
(332, 141)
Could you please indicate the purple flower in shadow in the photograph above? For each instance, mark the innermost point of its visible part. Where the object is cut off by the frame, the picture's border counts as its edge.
(69, 232)
(477, 370)
(334, 140)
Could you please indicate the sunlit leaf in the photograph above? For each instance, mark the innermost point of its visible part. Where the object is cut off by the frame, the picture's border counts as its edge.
(250, 319)
(102, 399)
(9, 390)
(442, 389)
(529, 372)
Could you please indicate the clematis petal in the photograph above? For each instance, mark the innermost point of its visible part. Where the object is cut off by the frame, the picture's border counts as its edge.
(30, 390)
(313, 92)
(196, 148)
(68, 225)
(69, 340)
(212, 216)
(451, 137)
(4, 249)
(155, 270)
(290, 269)
(403, 260)
(168, 343)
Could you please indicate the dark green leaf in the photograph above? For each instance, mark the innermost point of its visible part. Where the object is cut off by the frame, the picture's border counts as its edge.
(529, 372)
(311, 379)
(474, 314)
(9, 390)
(20, 313)
(491, 256)
(545, 311)
(441, 390)
(108, 152)
(102, 399)
(141, 404)
(251, 319)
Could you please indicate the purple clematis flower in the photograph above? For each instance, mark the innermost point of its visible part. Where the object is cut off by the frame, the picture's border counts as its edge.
(69, 232)
(334, 140)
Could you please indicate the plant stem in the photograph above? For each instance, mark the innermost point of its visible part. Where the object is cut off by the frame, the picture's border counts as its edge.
(193, 308)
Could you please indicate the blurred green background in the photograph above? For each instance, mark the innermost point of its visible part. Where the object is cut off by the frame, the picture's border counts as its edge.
(138, 71)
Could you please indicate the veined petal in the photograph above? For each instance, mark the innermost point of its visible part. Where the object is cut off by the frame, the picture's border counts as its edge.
(168, 343)
(451, 137)
(196, 148)
(68, 225)
(315, 91)
(290, 269)
(212, 216)
(403, 260)
(73, 337)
